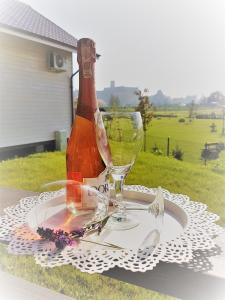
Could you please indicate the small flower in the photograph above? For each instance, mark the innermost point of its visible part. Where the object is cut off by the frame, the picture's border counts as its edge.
(78, 232)
(63, 240)
(60, 244)
(47, 233)
(99, 229)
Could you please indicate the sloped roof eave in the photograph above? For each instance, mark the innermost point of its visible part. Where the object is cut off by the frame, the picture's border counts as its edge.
(23, 18)
(37, 36)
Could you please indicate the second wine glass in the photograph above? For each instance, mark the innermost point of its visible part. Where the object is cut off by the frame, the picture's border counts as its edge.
(119, 139)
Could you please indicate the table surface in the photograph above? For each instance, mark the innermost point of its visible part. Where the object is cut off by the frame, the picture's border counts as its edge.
(167, 278)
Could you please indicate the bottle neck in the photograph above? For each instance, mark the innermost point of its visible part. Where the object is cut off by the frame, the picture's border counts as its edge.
(87, 103)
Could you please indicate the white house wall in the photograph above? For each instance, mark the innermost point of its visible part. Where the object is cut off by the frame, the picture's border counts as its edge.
(34, 102)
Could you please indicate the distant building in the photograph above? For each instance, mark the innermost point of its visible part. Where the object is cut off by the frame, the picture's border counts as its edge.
(125, 94)
(159, 99)
(214, 99)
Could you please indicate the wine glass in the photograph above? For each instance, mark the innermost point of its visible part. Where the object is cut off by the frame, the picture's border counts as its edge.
(119, 139)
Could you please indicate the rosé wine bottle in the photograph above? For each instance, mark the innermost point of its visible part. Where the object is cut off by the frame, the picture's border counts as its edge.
(83, 160)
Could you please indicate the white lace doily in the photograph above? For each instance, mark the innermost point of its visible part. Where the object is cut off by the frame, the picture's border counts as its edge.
(197, 235)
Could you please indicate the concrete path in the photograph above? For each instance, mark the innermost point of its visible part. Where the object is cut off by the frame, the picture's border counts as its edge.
(14, 288)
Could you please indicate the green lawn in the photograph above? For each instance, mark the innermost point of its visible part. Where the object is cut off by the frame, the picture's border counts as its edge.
(202, 184)
(183, 111)
(190, 137)
(31, 173)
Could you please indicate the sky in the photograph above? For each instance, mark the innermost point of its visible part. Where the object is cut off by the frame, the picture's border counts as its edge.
(177, 46)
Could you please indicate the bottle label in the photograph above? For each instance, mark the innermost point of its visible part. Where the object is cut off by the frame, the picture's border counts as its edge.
(101, 184)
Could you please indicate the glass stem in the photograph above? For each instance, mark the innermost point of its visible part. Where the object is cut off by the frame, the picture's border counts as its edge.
(118, 185)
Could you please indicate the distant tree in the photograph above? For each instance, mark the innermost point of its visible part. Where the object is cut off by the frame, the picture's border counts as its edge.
(213, 127)
(156, 150)
(177, 153)
(145, 107)
(114, 102)
(181, 120)
(191, 110)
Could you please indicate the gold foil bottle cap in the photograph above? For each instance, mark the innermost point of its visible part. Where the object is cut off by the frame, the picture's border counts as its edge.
(86, 57)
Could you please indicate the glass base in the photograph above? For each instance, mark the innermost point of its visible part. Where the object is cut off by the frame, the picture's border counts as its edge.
(116, 222)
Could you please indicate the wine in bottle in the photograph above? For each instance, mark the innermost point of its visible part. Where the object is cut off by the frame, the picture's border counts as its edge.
(83, 160)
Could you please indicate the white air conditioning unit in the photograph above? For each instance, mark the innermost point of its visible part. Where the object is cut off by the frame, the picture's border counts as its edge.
(57, 62)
